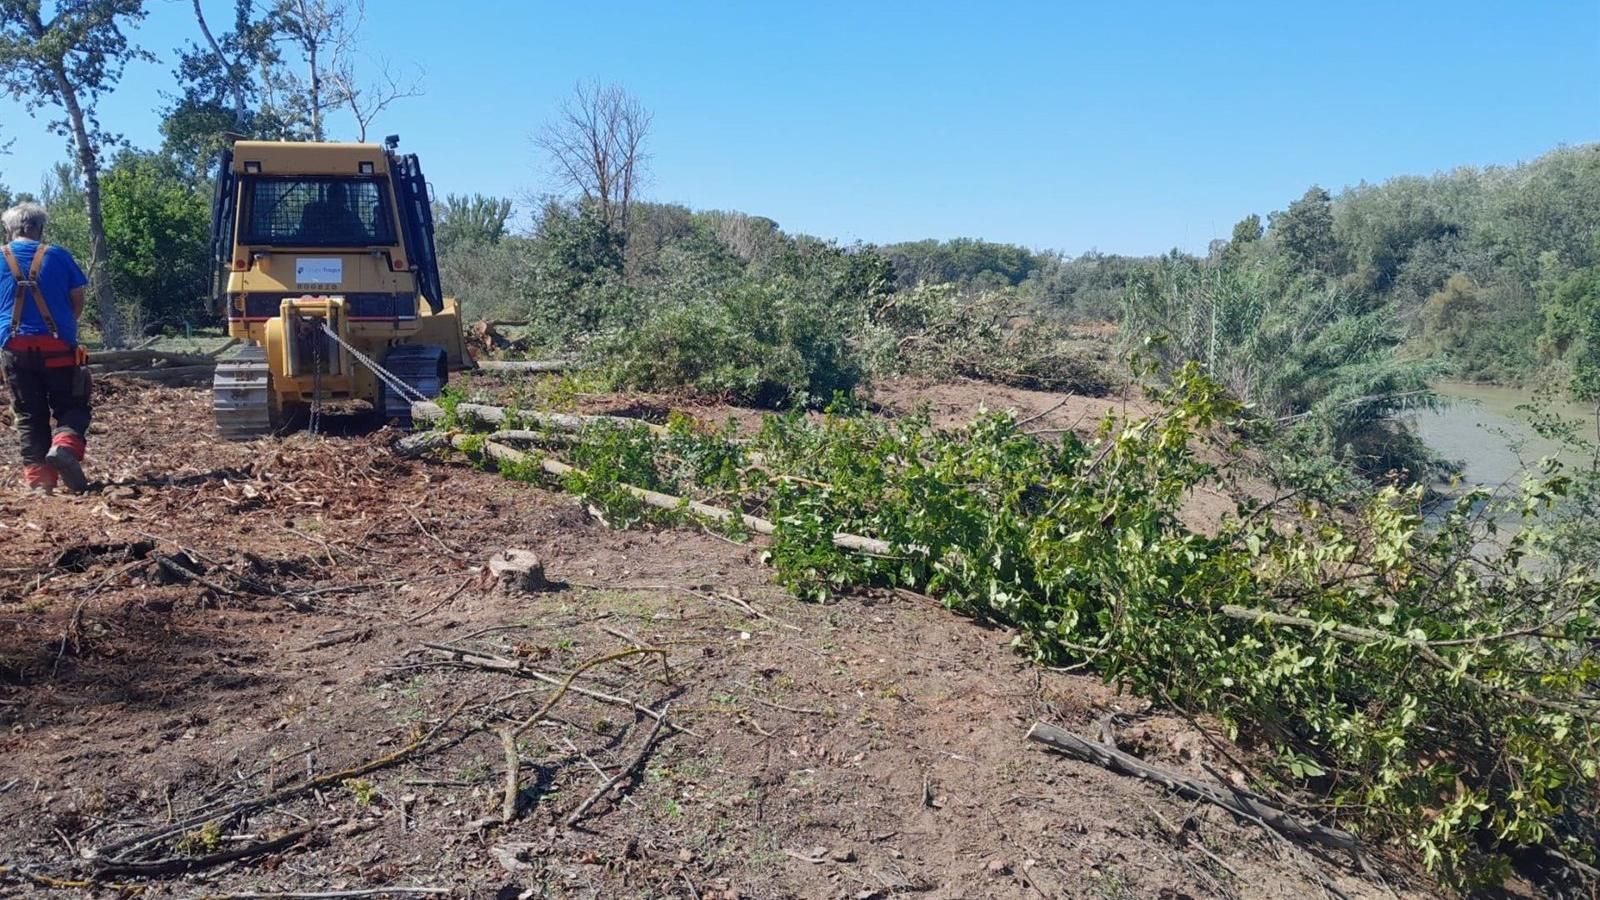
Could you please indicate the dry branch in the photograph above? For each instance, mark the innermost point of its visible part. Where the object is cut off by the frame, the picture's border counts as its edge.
(482, 660)
(183, 865)
(117, 851)
(1236, 802)
(632, 766)
(335, 894)
(509, 734)
(110, 360)
(508, 806)
(177, 375)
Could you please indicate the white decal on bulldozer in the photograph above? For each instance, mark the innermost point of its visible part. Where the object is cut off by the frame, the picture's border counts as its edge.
(318, 271)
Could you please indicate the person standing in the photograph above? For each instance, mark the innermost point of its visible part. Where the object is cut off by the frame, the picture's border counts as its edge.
(41, 297)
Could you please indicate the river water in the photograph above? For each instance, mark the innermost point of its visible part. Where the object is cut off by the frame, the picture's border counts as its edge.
(1481, 427)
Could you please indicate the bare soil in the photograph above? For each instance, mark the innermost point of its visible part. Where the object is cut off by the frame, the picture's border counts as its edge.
(868, 748)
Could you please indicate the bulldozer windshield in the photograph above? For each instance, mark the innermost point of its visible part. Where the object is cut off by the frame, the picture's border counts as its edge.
(316, 212)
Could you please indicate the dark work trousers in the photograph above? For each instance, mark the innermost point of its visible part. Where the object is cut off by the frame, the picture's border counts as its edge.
(38, 394)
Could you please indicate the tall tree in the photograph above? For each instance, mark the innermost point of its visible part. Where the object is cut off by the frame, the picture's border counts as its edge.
(596, 147)
(323, 32)
(68, 61)
(1305, 232)
(227, 87)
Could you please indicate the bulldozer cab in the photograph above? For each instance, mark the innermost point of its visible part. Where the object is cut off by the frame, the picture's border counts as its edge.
(329, 199)
(325, 269)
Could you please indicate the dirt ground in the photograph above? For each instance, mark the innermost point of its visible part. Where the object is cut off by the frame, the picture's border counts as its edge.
(222, 622)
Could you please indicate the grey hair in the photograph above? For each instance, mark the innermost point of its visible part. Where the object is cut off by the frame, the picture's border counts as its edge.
(24, 218)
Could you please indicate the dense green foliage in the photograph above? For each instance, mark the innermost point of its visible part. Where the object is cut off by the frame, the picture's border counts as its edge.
(728, 305)
(158, 223)
(1404, 681)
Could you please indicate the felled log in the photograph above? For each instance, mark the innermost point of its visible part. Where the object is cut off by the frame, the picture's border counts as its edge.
(498, 416)
(121, 359)
(525, 365)
(1237, 802)
(501, 453)
(176, 375)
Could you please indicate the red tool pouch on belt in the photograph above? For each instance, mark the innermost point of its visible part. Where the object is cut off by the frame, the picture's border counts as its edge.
(41, 351)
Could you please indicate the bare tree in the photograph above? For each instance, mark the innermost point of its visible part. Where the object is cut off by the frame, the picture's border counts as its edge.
(323, 32)
(596, 147)
(230, 68)
(67, 62)
(365, 101)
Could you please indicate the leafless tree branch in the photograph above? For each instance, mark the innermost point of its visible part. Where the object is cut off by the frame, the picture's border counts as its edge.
(365, 102)
(596, 148)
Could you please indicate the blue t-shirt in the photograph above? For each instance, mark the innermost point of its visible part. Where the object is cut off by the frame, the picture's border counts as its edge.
(57, 277)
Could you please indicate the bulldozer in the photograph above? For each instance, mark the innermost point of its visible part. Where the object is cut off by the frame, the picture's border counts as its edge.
(326, 272)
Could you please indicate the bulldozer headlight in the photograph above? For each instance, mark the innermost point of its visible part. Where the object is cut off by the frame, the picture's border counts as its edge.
(253, 167)
(366, 168)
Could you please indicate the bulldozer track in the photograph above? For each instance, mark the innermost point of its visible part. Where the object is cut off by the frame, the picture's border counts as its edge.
(240, 395)
(422, 368)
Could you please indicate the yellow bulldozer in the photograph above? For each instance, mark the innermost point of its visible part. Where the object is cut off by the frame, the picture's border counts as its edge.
(326, 272)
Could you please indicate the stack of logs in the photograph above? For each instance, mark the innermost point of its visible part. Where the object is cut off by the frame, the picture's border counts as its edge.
(146, 364)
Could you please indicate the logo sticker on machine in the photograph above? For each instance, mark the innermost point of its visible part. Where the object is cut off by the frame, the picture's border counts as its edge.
(318, 271)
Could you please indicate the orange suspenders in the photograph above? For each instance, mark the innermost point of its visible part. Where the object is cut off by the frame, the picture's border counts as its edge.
(29, 286)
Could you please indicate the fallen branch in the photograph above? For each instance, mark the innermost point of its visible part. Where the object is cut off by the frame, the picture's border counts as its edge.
(632, 766)
(509, 735)
(184, 865)
(110, 360)
(1234, 801)
(333, 894)
(117, 851)
(1424, 648)
(481, 660)
(508, 805)
(447, 598)
(177, 375)
(13, 872)
(342, 636)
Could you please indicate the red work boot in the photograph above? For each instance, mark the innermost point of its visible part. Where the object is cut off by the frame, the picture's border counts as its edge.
(66, 457)
(39, 478)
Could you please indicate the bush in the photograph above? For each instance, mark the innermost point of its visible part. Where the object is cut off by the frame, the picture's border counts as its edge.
(751, 341)
(940, 331)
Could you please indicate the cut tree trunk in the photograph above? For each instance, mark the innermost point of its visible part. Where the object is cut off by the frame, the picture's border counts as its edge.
(519, 572)
(524, 365)
(99, 255)
(502, 453)
(176, 375)
(113, 359)
(497, 416)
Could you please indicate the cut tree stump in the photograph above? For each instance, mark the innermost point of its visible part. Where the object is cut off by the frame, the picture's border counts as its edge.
(519, 572)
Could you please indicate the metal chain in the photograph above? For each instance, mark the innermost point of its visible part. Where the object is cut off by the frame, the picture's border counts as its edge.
(384, 375)
(316, 384)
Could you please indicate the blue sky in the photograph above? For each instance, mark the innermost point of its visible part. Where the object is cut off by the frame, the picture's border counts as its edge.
(1124, 127)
